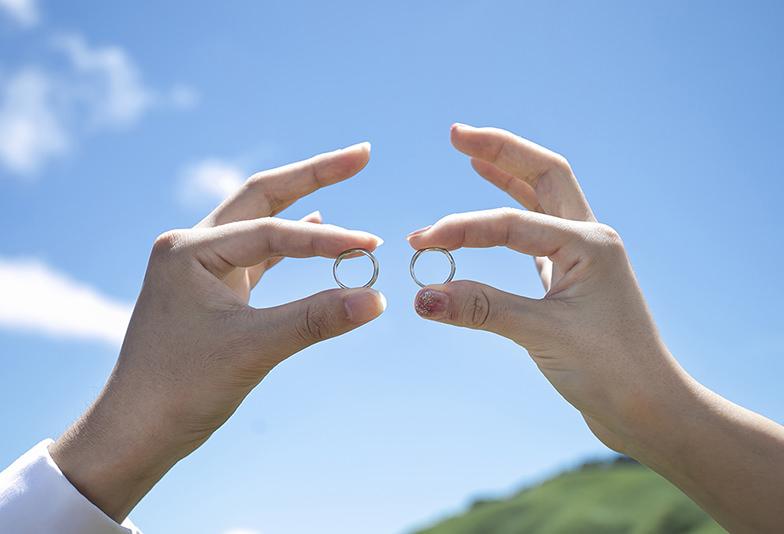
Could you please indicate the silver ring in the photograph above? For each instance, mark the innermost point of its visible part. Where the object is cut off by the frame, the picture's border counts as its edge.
(443, 251)
(350, 252)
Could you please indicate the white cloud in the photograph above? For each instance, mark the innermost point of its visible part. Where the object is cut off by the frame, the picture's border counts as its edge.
(36, 298)
(31, 128)
(108, 81)
(24, 12)
(43, 113)
(209, 180)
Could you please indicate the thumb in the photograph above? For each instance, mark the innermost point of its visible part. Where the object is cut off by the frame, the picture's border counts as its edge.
(296, 325)
(479, 306)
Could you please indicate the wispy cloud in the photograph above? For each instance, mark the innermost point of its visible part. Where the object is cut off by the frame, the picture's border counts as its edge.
(46, 112)
(31, 128)
(182, 96)
(23, 12)
(107, 81)
(37, 298)
(208, 181)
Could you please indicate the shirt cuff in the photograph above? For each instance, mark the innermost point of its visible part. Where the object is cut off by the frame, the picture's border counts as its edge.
(35, 497)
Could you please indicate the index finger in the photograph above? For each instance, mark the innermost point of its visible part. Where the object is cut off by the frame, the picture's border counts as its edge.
(248, 243)
(528, 232)
(269, 192)
(544, 171)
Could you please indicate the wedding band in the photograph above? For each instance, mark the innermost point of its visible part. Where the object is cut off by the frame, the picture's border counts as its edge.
(443, 251)
(351, 252)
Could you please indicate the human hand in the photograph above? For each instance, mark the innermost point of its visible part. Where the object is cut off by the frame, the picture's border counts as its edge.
(194, 348)
(591, 335)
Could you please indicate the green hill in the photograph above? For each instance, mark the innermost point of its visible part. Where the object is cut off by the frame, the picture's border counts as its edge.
(614, 497)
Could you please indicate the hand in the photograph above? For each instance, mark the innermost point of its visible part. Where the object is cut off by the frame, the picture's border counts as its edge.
(591, 335)
(194, 348)
(594, 339)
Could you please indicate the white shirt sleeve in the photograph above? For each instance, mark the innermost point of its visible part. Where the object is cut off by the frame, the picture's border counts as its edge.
(35, 497)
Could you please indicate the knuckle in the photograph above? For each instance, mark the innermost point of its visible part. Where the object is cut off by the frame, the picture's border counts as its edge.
(606, 237)
(452, 218)
(257, 181)
(267, 225)
(259, 184)
(509, 214)
(168, 243)
(560, 162)
(314, 326)
(609, 234)
(476, 309)
(500, 132)
(314, 169)
(506, 138)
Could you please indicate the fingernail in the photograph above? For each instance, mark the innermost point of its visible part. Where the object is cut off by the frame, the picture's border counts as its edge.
(420, 231)
(363, 305)
(314, 215)
(457, 125)
(374, 237)
(431, 303)
(364, 144)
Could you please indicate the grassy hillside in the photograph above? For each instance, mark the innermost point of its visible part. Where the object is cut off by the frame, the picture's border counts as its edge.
(598, 498)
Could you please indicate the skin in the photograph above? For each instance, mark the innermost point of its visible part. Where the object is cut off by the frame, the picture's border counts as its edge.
(194, 348)
(594, 339)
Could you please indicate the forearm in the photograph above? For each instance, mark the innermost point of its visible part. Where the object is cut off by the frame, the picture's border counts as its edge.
(726, 458)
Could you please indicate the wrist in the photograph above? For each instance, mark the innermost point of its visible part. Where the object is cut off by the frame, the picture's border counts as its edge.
(646, 406)
(114, 454)
(653, 428)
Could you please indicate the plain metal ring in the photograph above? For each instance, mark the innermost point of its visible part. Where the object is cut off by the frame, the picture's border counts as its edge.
(445, 252)
(349, 252)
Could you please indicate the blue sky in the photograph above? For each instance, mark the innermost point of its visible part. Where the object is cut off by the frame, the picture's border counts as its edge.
(121, 120)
